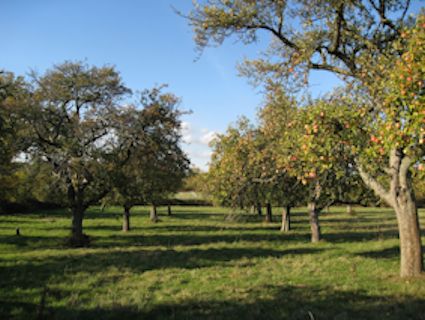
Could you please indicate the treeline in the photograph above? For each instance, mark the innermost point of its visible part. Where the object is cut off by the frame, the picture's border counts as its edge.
(70, 138)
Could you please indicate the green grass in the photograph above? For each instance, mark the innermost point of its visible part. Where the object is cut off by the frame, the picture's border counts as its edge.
(202, 263)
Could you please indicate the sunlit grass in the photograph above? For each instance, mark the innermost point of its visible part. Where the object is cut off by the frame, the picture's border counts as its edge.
(205, 262)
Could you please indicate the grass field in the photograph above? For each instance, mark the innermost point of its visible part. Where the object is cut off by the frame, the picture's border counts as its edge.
(202, 263)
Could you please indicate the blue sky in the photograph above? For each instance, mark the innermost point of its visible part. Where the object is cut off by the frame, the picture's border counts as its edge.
(149, 45)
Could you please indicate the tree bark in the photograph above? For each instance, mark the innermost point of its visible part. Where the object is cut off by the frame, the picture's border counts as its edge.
(169, 210)
(411, 261)
(401, 197)
(269, 217)
(76, 202)
(126, 219)
(350, 209)
(78, 238)
(314, 222)
(153, 214)
(259, 210)
(286, 219)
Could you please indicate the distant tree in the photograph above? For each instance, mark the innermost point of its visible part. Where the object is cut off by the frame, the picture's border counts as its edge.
(150, 162)
(167, 164)
(71, 115)
(232, 169)
(194, 180)
(245, 171)
(13, 93)
(276, 121)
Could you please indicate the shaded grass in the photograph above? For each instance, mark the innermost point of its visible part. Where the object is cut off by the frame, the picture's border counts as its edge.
(199, 263)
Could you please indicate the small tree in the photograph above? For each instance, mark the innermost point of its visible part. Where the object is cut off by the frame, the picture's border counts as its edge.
(237, 168)
(150, 163)
(276, 125)
(323, 158)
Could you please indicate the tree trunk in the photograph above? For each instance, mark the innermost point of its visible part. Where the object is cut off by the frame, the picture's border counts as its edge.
(269, 218)
(350, 209)
(78, 238)
(169, 210)
(259, 211)
(126, 219)
(153, 214)
(401, 197)
(286, 219)
(411, 263)
(314, 222)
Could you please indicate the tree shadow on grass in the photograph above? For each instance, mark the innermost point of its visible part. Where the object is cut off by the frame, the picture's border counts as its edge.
(185, 238)
(388, 253)
(353, 236)
(283, 302)
(137, 260)
(139, 238)
(30, 277)
(211, 228)
(24, 241)
(194, 215)
(171, 240)
(292, 302)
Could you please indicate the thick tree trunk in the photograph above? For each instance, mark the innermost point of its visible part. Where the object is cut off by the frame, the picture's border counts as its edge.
(169, 210)
(153, 214)
(286, 219)
(126, 219)
(241, 205)
(314, 222)
(269, 217)
(78, 238)
(259, 211)
(411, 261)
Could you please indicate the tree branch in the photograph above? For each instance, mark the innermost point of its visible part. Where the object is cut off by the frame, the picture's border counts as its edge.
(276, 33)
(405, 164)
(338, 23)
(328, 67)
(374, 185)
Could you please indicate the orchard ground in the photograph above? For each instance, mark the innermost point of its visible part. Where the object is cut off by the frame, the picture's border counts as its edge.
(206, 263)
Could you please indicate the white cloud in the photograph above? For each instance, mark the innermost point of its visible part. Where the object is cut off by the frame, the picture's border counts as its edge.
(196, 144)
(207, 137)
(186, 132)
(194, 135)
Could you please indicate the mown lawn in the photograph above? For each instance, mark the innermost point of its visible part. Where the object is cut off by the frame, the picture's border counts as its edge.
(202, 263)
